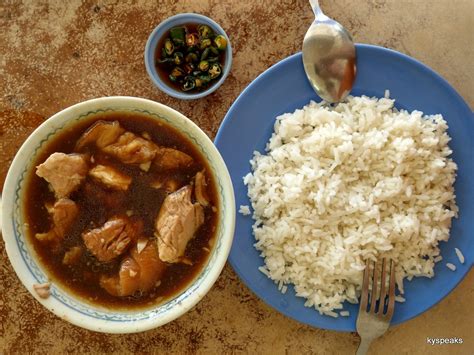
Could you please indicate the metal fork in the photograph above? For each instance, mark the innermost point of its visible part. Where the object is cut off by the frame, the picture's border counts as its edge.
(374, 322)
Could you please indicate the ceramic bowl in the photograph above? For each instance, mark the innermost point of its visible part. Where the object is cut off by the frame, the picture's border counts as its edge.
(161, 31)
(62, 302)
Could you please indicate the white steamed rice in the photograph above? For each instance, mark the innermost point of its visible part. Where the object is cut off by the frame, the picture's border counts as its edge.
(245, 210)
(451, 267)
(459, 255)
(341, 184)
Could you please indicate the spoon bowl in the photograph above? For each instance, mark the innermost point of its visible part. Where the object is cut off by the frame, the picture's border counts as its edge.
(329, 57)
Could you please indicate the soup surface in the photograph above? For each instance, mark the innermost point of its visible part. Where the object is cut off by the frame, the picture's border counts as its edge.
(108, 243)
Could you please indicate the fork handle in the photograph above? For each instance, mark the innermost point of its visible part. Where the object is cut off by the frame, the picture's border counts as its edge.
(364, 346)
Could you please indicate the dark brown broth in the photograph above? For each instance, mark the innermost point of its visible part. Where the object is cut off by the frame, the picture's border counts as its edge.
(163, 72)
(83, 278)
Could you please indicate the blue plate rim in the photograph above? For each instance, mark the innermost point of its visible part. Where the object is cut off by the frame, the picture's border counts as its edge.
(270, 71)
(273, 67)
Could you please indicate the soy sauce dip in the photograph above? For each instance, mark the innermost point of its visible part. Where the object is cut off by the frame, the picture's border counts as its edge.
(191, 57)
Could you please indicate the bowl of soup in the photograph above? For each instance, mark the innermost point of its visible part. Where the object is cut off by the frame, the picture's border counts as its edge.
(118, 214)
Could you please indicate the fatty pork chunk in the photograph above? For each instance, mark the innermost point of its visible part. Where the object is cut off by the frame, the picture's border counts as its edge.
(63, 214)
(65, 172)
(166, 183)
(110, 177)
(129, 148)
(176, 224)
(200, 189)
(169, 158)
(140, 271)
(72, 256)
(101, 133)
(113, 238)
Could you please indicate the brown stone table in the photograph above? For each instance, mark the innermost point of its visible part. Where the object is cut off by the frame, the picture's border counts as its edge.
(57, 53)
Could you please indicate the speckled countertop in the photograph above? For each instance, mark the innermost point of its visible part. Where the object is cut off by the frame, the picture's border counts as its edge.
(56, 53)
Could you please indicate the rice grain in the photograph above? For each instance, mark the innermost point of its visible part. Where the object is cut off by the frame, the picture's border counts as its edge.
(459, 255)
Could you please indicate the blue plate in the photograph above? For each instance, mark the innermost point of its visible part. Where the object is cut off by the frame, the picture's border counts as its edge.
(283, 88)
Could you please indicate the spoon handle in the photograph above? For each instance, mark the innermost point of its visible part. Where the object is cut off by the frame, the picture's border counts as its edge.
(316, 9)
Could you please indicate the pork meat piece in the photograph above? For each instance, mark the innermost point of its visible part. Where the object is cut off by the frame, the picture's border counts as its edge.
(43, 290)
(112, 239)
(139, 272)
(65, 172)
(169, 158)
(101, 133)
(176, 224)
(200, 189)
(166, 183)
(111, 177)
(131, 149)
(72, 256)
(63, 213)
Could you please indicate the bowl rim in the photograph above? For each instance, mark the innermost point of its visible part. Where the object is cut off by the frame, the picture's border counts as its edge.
(197, 288)
(150, 50)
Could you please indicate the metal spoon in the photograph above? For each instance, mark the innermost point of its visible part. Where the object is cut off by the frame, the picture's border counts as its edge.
(329, 57)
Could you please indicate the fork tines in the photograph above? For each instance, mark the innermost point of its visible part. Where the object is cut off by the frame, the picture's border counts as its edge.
(372, 277)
